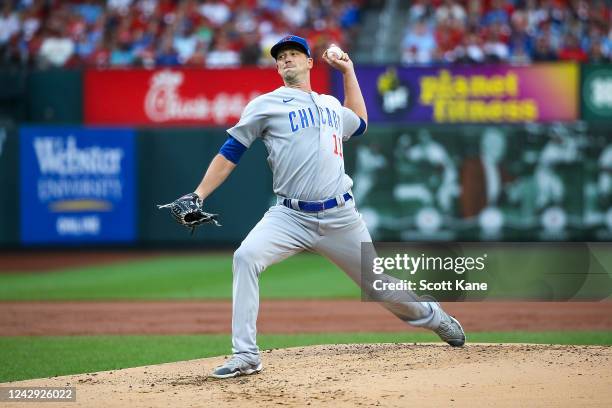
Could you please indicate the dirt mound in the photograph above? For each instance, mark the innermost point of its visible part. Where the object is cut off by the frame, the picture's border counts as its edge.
(390, 375)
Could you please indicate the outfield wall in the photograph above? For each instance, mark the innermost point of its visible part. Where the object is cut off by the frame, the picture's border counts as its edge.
(172, 163)
(74, 185)
(9, 183)
(527, 182)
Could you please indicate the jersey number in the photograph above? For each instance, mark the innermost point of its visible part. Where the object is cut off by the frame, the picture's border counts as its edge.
(337, 146)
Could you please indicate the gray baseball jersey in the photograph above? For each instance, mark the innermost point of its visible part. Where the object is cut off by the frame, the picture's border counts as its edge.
(303, 133)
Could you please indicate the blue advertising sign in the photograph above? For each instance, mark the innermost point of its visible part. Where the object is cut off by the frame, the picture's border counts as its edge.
(77, 185)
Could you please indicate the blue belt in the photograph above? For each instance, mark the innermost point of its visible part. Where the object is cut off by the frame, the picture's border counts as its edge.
(316, 206)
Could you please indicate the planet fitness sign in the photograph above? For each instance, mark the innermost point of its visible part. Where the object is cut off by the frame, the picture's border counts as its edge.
(487, 94)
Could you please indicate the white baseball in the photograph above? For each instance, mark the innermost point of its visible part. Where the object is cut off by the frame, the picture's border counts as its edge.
(334, 49)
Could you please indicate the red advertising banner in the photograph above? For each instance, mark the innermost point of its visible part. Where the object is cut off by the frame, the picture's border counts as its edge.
(175, 97)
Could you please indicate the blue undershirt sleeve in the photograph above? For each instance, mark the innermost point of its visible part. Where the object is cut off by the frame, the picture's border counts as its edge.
(361, 128)
(232, 150)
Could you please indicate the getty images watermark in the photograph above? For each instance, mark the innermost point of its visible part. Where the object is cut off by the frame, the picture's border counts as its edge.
(412, 264)
(476, 271)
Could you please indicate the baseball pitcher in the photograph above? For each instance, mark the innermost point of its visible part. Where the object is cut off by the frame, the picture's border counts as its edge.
(303, 132)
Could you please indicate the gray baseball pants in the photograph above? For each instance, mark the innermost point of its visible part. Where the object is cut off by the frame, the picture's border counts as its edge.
(337, 234)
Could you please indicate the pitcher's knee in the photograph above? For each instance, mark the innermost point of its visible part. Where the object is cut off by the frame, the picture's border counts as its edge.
(245, 257)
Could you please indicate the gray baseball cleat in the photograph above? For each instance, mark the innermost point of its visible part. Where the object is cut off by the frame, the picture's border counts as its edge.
(235, 367)
(450, 330)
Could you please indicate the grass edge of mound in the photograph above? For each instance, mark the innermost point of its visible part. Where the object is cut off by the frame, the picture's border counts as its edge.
(37, 357)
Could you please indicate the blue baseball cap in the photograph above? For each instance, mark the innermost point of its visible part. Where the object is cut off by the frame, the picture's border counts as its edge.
(292, 40)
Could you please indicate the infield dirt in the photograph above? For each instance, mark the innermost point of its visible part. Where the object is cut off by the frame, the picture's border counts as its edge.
(284, 316)
(389, 375)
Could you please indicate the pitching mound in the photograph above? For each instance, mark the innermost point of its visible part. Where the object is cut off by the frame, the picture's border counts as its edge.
(388, 375)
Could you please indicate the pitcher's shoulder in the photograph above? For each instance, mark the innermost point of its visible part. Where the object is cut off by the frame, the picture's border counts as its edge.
(260, 101)
(281, 91)
(260, 98)
(330, 99)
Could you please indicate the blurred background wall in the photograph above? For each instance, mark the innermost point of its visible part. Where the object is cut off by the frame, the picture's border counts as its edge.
(489, 120)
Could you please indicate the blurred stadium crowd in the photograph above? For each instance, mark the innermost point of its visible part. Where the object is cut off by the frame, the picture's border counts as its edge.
(516, 31)
(149, 33)
(229, 33)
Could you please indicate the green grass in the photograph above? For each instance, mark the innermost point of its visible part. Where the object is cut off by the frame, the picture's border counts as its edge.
(37, 357)
(180, 277)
